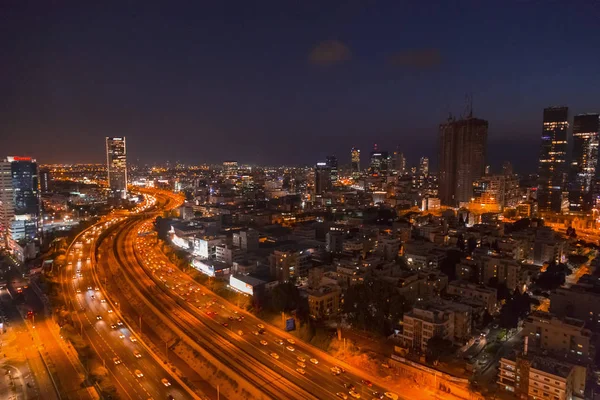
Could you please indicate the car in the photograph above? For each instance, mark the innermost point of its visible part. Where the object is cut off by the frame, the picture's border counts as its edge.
(103, 301)
(341, 369)
(335, 370)
(261, 326)
(240, 319)
(366, 382)
(78, 290)
(230, 318)
(240, 332)
(385, 365)
(97, 289)
(290, 348)
(92, 297)
(349, 386)
(264, 342)
(110, 310)
(301, 359)
(301, 364)
(119, 322)
(261, 331)
(113, 326)
(98, 317)
(74, 276)
(121, 336)
(342, 395)
(279, 341)
(89, 288)
(275, 356)
(137, 354)
(300, 371)
(116, 361)
(133, 339)
(291, 341)
(314, 361)
(354, 394)
(165, 382)
(391, 395)
(255, 333)
(225, 324)
(138, 373)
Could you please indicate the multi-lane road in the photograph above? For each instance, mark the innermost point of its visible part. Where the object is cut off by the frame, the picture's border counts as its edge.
(268, 359)
(134, 371)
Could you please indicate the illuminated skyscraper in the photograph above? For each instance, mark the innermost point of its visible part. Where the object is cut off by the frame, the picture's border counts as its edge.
(116, 165)
(355, 157)
(584, 162)
(20, 212)
(322, 178)
(230, 167)
(462, 158)
(380, 161)
(553, 159)
(399, 161)
(424, 166)
(332, 163)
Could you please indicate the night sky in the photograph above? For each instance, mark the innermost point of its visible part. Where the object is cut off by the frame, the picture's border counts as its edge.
(287, 81)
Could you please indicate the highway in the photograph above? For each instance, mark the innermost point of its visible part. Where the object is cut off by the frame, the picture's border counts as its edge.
(272, 360)
(135, 373)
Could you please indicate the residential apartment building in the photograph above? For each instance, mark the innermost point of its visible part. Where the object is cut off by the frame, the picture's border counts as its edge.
(564, 337)
(576, 302)
(324, 302)
(471, 290)
(438, 318)
(537, 377)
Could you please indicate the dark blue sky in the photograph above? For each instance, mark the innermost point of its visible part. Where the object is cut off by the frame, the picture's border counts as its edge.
(287, 81)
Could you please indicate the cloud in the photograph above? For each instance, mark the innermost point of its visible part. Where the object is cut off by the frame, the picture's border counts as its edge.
(416, 59)
(329, 52)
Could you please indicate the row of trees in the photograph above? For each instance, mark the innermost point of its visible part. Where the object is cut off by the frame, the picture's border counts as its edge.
(374, 305)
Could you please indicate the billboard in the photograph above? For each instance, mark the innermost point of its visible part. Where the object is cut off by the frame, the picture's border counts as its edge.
(290, 324)
(240, 285)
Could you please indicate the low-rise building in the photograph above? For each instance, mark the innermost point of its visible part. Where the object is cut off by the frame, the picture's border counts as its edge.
(541, 377)
(565, 337)
(324, 302)
(466, 289)
(440, 318)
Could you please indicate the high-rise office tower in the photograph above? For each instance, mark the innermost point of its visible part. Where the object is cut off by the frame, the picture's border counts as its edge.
(553, 159)
(45, 180)
(355, 158)
(399, 161)
(380, 161)
(322, 178)
(116, 165)
(332, 163)
(20, 213)
(424, 166)
(584, 161)
(462, 158)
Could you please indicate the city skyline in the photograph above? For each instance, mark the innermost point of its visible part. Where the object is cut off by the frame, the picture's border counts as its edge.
(349, 89)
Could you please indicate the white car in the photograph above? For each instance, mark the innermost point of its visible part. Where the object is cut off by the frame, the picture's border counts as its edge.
(290, 348)
(133, 339)
(138, 373)
(314, 361)
(98, 317)
(391, 395)
(137, 354)
(264, 342)
(354, 394)
(291, 341)
(300, 370)
(275, 356)
(116, 361)
(110, 310)
(121, 336)
(165, 382)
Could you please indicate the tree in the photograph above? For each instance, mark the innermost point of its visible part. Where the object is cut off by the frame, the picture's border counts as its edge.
(438, 347)
(448, 264)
